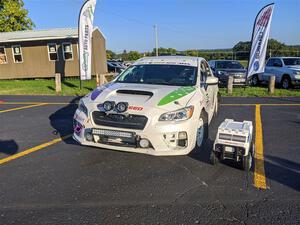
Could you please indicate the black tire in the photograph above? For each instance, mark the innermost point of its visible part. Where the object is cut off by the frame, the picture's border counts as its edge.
(247, 162)
(213, 158)
(218, 104)
(254, 80)
(286, 82)
(204, 116)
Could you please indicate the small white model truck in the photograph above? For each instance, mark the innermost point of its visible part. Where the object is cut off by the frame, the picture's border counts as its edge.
(234, 142)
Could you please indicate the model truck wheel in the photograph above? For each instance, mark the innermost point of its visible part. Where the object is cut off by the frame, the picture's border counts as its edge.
(247, 161)
(213, 158)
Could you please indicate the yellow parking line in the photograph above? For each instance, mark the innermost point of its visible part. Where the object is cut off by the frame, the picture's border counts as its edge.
(288, 104)
(31, 150)
(23, 107)
(259, 170)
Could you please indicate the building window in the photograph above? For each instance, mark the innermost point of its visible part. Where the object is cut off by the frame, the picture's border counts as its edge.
(17, 53)
(67, 51)
(3, 57)
(52, 52)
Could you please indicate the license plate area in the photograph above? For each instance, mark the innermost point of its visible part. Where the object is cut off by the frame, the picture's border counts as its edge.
(229, 149)
(115, 137)
(239, 80)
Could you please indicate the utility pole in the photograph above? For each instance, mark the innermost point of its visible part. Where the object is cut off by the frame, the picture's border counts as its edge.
(156, 39)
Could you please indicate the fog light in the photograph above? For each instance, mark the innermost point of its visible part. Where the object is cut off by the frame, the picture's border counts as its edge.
(108, 106)
(182, 135)
(88, 135)
(182, 139)
(144, 143)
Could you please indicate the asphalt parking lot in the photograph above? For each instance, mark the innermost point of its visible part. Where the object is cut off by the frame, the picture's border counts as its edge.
(47, 178)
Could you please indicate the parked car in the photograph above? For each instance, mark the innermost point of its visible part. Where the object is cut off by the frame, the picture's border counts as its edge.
(158, 106)
(113, 67)
(285, 69)
(225, 68)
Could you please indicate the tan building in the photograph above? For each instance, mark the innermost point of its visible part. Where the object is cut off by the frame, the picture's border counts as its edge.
(42, 53)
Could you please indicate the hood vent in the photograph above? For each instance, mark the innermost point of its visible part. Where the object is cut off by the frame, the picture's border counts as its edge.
(135, 92)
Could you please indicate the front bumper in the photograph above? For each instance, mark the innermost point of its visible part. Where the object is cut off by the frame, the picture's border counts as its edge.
(296, 82)
(236, 81)
(163, 136)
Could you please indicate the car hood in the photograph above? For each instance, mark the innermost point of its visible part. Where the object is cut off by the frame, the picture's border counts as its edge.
(296, 67)
(233, 70)
(142, 97)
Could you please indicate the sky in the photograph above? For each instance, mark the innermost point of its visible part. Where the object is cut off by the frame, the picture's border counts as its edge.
(182, 24)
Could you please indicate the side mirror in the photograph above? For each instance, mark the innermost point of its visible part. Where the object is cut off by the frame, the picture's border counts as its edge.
(213, 69)
(212, 81)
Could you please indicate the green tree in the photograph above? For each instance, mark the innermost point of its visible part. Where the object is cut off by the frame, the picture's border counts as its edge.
(134, 55)
(110, 54)
(13, 16)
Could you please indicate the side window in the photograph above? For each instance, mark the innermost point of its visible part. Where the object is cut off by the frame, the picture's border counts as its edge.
(205, 71)
(3, 57)
(67, 51)
(277, 63)
(270, 62)
(17, 53)
(52, 52)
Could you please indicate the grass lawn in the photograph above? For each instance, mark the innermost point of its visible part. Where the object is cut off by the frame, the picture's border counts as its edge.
(70, 86)
(260, 92)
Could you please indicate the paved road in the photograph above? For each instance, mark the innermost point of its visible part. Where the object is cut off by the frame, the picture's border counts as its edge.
(64, 183)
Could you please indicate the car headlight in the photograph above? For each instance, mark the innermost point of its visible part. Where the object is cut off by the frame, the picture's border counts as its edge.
(82, 107)
(297, 74)
(178, 115)
(222, 73)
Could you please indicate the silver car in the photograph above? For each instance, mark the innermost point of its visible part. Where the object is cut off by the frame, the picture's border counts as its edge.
(285, 69)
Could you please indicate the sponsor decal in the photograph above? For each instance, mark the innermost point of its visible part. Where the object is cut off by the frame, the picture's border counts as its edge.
(79, 118)
(85, 31)
(175, 95)
(99, 90)
(256, 65)
(135, 108)
(260, 36)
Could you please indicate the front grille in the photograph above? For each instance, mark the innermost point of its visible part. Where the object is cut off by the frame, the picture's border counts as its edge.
(239, 75)
(136, 122)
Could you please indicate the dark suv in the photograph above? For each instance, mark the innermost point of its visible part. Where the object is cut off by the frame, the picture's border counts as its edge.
(224, 68)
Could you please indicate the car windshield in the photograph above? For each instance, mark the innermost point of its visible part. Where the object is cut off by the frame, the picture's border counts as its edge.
(292, 61)
(176, 75)
(228, 65)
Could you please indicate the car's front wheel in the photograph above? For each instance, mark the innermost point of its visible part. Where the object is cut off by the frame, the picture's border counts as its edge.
(286, 82)
(202, 131)
(254, 81)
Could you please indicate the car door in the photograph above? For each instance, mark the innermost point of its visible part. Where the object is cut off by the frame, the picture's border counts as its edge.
(277, 69)
(268, 69)
(208, 90)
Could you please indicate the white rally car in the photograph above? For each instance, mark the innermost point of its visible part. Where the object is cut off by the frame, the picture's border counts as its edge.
(158, 106)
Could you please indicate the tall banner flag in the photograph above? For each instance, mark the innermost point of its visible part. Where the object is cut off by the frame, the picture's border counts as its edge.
(260, 36)
(85, 30)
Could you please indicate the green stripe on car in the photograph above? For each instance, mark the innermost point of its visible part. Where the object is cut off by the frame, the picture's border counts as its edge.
(175, 95)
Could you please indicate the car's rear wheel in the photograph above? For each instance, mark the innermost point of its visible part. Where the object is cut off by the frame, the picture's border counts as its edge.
(286, 82)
